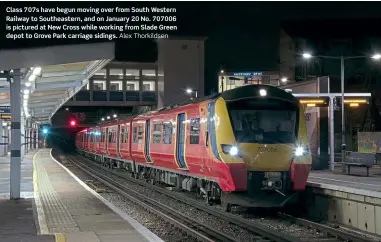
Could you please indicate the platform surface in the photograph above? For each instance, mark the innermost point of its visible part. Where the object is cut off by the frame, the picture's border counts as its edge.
(17, 223)
(357, 182)
(26, 176)
(72, 208)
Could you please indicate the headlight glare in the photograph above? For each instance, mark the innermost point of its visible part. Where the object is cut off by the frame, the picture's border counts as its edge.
(299, 151)
(230, 150)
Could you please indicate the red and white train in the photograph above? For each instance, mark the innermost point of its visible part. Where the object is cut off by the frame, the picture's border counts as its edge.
(247, 146)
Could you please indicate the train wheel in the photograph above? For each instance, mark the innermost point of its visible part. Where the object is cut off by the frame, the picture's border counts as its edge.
(208, 198)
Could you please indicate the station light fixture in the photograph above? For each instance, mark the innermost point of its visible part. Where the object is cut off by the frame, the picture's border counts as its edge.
(284, 79)
(115, 115)
(37, 71)
(32, 78)
(189, 90)
(222, 71)
(26, 96)
(26, 91)
(307, 55)
(45, 131)
(103, 119)
(27, 84)
(376, 56)
(108, 117)
(5, 124)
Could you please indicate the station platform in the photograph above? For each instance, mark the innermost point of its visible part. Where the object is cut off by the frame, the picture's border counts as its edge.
(65, 209)
(357, 182)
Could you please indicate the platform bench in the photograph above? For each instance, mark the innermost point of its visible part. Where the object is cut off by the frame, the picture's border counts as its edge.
(360, 160)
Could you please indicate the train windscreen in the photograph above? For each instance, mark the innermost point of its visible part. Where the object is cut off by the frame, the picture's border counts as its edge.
(265, 121)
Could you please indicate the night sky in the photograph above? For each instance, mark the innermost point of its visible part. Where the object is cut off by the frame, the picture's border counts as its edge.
(240, 35)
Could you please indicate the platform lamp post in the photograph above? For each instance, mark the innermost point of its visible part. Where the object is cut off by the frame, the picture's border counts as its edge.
(342, 59)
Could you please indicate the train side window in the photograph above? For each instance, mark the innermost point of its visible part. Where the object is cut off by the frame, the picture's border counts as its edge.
(103, 137)
(113, 137)
(140, 134)
(156, 133)
(195, 131)
(167, 133)
(135, 134)
(110, 137)
(122, 135)
(126, 135)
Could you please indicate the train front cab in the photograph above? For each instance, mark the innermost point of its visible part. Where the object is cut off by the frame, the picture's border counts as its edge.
(268, 133)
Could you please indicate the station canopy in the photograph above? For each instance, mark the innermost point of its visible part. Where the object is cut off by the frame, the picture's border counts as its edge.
(50, 76)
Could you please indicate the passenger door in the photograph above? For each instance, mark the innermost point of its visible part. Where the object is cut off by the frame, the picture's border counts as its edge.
(180, 141)
(147, 141)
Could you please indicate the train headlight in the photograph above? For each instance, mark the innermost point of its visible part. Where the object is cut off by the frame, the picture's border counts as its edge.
(301, 150)
(230, 150)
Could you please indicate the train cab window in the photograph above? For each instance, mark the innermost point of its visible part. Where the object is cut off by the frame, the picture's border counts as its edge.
(264, 121)
(167, 132)
(135, 135)
(195, 131)
(156, 133)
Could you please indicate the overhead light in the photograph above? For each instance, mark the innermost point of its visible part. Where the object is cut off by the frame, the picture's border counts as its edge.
(222, 71)
(284, 79)
(26, 96)
(115, 115)
(32, 77)
(307, 55)
(5, 124)
(27, 84)
(376, 56)
(37, 71)
(103, 119)
(26, 91)
(189, 90)
(108, 117)
(25, 104)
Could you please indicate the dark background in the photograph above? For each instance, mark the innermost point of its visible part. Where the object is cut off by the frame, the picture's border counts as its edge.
(245, 35)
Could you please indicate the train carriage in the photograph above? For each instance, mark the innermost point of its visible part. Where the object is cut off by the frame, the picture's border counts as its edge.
(247, 146)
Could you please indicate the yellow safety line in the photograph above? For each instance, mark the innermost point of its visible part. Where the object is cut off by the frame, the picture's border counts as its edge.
(40, 210)
(60, 237)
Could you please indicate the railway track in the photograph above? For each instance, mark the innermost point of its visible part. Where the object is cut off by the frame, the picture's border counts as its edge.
(200, 231)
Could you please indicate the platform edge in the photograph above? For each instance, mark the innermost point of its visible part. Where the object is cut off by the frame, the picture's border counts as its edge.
(43, 226)
(149, 235)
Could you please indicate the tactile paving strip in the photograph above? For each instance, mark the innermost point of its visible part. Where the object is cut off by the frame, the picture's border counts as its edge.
(57, 215)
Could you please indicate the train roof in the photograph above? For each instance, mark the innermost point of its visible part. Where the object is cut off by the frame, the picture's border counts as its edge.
(242, 92)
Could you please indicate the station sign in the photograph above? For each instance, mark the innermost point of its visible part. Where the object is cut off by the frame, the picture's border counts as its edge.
(315, 102)
(355, 102)
(5, 109)
(247, 74)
